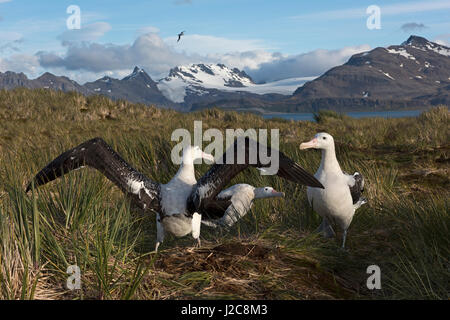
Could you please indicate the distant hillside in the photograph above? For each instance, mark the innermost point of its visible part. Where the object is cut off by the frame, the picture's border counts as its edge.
(413, 74)
(11, 80)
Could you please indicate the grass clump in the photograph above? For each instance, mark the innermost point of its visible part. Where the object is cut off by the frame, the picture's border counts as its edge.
(322, 115)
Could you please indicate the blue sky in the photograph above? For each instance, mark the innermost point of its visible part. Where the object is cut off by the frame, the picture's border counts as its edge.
(115, 35)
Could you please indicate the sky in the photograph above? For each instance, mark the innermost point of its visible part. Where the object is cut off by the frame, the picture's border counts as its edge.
(270, 40)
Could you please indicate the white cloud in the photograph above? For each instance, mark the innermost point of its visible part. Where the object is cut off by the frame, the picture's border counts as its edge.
(148, 29)
(442, 42)
(148, 51)
(249, 60)
(27, 64)
(308, 64)
(157, 57)
(10, 41)
(443, 39)
(11, 45)
(88, 32)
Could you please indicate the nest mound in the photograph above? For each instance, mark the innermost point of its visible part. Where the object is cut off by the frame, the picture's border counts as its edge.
(237, 270)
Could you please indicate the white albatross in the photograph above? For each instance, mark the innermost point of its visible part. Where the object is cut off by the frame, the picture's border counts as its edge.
(233, 204)
(179, 203)
(168, 200)
(341, 197)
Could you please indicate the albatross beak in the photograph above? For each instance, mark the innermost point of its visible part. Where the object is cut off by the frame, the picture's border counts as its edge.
(310, 144)
(277, 194)
(208, 156)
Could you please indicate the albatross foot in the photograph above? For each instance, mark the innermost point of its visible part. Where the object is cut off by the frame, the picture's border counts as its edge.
(344, 237)
(326, 230)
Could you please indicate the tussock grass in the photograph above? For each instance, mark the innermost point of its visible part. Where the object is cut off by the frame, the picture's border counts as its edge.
(273, 253)
(323, 115)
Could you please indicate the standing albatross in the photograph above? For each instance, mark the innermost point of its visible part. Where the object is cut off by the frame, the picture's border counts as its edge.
(220, 213)
(179, 203)
(342, 194)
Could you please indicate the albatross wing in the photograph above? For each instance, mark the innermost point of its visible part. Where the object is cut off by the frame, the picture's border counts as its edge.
(356, 185)
(97, 154)
(213, 181)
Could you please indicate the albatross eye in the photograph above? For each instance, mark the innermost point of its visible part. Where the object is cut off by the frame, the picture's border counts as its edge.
(324, 138)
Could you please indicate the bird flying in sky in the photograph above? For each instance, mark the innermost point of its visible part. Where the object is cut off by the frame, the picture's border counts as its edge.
(179, 36)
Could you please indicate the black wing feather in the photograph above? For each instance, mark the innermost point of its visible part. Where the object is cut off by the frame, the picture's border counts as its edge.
(357, 189)
(216, 209)
(97, 154)
(213, 181)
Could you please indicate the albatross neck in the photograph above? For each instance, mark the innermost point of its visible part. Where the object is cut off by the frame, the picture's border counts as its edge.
(186, 171)
(329, 161)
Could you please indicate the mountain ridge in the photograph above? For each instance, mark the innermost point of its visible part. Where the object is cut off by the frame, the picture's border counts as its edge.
(407, 75)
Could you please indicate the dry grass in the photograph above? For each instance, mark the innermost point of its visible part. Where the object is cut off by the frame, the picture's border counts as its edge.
(242, 270)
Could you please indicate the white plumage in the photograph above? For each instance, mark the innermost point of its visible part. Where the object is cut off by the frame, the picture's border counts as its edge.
(174, 195)
(342, 194)
(235, 202)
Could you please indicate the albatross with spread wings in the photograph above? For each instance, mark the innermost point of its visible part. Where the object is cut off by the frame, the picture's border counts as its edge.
(178, 204)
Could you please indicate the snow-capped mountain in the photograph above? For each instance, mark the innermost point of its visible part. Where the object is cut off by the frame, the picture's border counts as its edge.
(136, 87)
(196, 80)
(425, 45)
(210, 76)
(413, 74)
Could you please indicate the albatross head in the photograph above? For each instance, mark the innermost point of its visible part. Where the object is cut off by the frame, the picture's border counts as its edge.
(193, 153)
(321, 140)
(267, 192)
